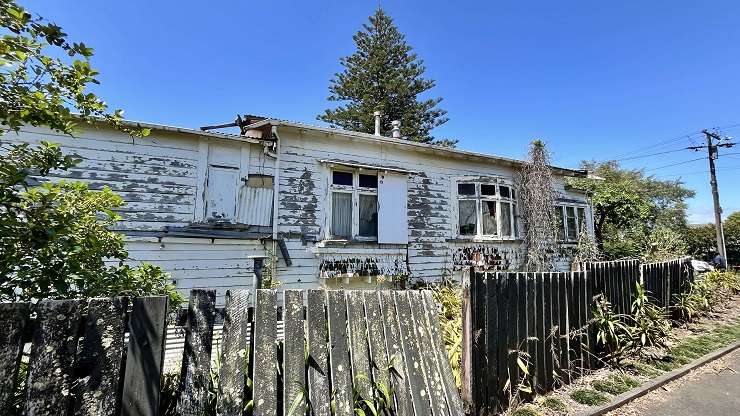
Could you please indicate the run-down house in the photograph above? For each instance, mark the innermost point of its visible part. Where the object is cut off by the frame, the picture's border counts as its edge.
(350, 209)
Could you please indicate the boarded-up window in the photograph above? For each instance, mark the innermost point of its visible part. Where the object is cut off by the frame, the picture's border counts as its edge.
(393, 214)
(221, 193)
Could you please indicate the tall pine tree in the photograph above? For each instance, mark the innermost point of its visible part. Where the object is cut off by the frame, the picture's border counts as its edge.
(384, 75)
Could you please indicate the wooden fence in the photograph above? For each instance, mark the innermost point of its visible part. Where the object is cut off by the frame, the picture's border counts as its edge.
(527, 333)
(336, 342)
(665, 280)
(616, 280)
(532, 321)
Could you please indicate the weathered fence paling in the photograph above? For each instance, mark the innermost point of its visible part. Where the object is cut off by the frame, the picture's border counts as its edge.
(541, 321)
(523, 320)
(354, 340)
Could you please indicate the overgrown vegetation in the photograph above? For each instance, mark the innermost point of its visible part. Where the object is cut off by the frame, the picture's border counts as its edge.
(634, 211)
(54, 237)
(449, 297)
(589, 397)
(537, 209)
(702, 240)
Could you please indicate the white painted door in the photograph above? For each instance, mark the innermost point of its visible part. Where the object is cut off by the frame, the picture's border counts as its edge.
(392, 214)
(223, 183)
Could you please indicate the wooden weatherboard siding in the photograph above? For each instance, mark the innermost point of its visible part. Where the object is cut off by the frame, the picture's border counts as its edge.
(432, 250)
(399, 331)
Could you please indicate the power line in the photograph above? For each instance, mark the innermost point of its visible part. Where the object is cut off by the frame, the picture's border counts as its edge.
(627, 155)
(674, 164)
(698, 172)
(651, 154)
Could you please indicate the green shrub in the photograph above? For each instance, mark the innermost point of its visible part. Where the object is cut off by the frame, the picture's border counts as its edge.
(650, 326)
(449, 298)
(526, 411)
(554, 404)
(589, 397)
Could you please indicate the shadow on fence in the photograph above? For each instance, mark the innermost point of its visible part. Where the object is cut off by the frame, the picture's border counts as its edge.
(527, 333)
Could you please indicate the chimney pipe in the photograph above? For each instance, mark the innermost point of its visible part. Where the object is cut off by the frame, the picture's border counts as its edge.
(396, 132)
(377, 115)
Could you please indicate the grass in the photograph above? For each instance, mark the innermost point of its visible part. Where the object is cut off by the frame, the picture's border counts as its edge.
(589, 397)
(697, 346)
(615, 384)
(645, 370)
(526, 411)
(554, 404)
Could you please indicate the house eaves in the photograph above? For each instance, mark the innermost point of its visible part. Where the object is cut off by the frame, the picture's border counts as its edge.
(415, 146)
(183, 130)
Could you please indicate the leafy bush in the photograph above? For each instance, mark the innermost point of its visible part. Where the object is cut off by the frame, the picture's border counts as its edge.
(589, 397)
(613, 338)
(449, 298)
(650, 326)
(55, 238)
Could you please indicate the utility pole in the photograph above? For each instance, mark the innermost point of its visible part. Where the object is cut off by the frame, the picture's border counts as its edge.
(713, 152)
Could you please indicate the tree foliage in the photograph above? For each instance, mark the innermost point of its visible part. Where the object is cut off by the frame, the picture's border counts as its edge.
(537, 209)
(628, 206)
(702, 239)
(54, 237)
(384, 74)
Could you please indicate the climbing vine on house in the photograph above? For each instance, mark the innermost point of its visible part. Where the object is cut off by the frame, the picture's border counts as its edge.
(537, 203)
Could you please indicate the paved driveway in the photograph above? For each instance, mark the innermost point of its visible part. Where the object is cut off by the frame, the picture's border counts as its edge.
(713, 390)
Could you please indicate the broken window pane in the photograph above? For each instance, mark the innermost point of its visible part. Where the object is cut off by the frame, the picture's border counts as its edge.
(466, 189)
(489, 190)
(341, 215)
(570, 214)
(468, 219)
(342, 178)
(581, 219)
(560, 223)
(506, 219)
(368, 216)
(504, 191)
(368, 181)
(489, 218)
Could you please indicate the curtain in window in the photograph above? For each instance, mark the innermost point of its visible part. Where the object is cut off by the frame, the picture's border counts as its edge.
(341, 215)
(505, 219)
(467, 218)
(368, 215)
(489, 218)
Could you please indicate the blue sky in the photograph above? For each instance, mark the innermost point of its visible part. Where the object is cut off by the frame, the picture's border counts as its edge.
(596, 80)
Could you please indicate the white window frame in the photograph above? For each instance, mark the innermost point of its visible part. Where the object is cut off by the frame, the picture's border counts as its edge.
(356, 191)
(563, 209)
(480, 198)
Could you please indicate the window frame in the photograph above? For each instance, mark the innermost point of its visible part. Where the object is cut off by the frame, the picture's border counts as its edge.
(563, 209)
(479, 199)
(355, 190)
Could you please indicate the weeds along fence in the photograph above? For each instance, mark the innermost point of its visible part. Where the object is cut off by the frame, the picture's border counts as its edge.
(527, 333)
(105, 356)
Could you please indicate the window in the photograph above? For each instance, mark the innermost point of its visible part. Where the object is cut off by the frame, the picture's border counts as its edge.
(486, 210)
(354, 205)
(571, 220)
